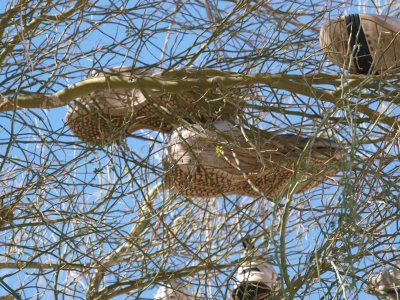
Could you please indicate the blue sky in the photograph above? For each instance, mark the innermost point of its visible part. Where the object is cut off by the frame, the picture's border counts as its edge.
(151, 54)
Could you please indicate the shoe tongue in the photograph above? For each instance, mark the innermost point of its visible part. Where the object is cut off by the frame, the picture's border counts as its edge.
(362, 58)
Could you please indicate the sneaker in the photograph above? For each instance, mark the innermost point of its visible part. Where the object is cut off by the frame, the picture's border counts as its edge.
(363, 43)
(220, 160)
(385, 284)
(107, 116)
(255, 280)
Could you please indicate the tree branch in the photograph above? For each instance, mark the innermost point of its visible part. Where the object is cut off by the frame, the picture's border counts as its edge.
(117, 256)
(159, 85)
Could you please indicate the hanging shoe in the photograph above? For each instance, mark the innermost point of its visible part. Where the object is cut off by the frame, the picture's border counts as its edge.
(363, 43)
(221, 160)
(255, 280)
(172, 290)
(107, 116)
(385, 284)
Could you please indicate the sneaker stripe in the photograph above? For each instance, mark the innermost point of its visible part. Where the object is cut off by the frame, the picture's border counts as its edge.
(362, 56)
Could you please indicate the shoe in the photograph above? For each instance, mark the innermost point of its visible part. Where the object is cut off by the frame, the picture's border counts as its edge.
(385, 284)
(172, 290)
(108, 116)
(363, 43)
(220, 160)
(255, 280)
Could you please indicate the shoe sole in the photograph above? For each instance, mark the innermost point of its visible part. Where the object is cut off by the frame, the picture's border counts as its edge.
(108, 116)
(207, 163)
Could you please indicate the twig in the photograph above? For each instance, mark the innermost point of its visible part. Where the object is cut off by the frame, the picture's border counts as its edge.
(116, 256)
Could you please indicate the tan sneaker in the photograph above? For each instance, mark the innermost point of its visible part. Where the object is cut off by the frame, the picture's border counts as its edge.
(221, 160)
(107, 116)
(363, 43)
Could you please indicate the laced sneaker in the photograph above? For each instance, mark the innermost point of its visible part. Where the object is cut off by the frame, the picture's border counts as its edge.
(107, 116)
(363, 43)
(221, 159)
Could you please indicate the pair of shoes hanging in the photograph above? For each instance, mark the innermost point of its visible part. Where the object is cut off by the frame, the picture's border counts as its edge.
(209, 155)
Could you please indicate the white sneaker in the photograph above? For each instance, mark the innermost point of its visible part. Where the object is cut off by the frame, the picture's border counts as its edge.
(255, 280)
